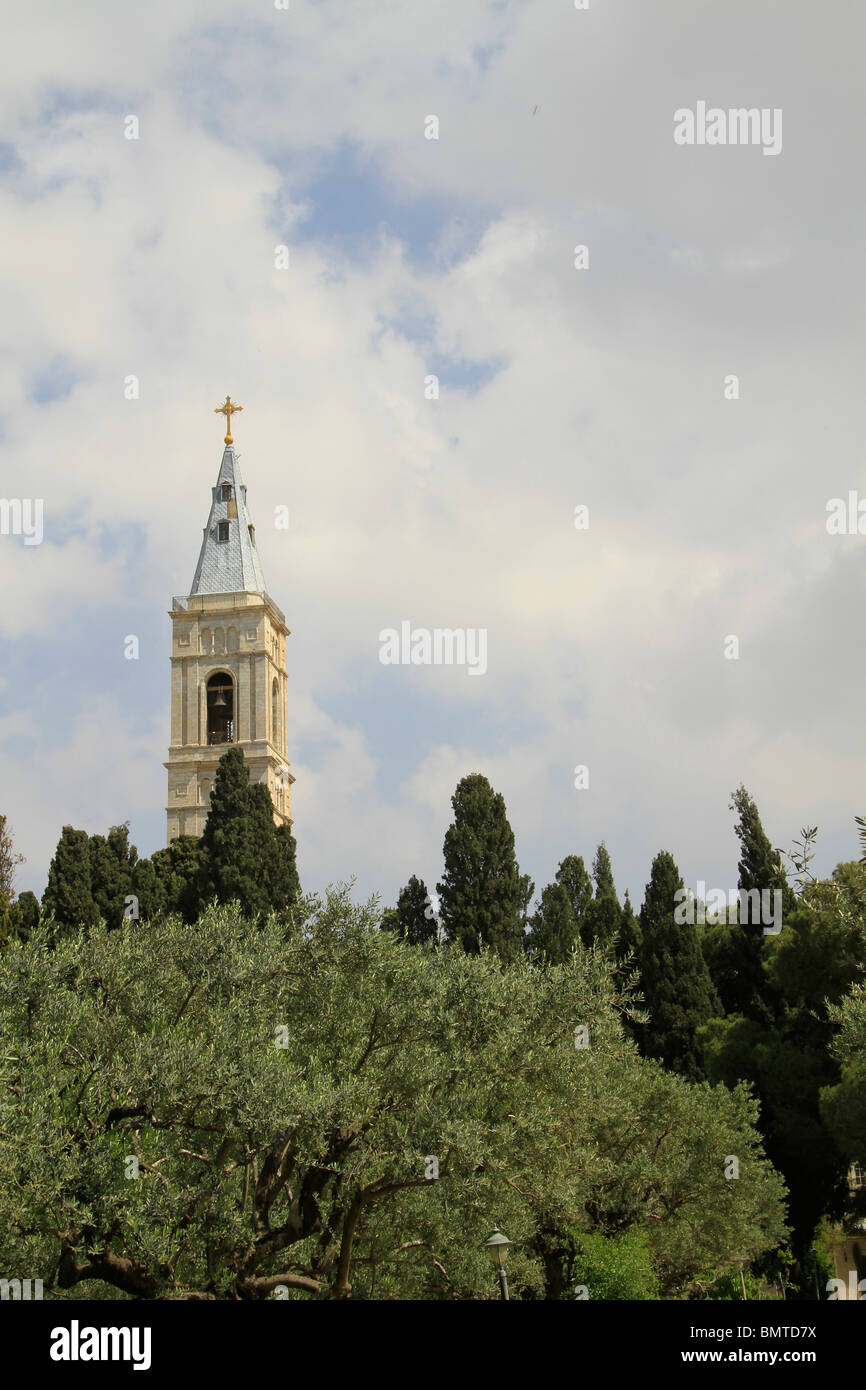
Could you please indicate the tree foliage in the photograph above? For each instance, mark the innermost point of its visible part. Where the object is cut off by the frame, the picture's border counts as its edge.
(9, 861)
(843, 1105)
(746, 986)
(242, 856)
(603, 917)
(413, 918)
(280, 1088)
(112, 864)
(553, 933)
(628, 942)
(809, 1110)
(482, 897)
(597, 1266)
(573, 877)
(168, 881)
(678, 993)
(68, 898)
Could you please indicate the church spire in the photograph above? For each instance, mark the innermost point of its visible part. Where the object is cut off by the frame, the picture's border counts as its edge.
(228, 562)
(228, 664)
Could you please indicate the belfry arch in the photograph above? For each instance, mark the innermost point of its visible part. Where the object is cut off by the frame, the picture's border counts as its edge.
(220, 705)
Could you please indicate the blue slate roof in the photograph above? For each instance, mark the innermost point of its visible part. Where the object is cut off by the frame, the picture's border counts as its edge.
(228, 566)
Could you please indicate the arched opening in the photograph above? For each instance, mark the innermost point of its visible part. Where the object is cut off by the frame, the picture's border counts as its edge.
(275, 714)
(220, 708)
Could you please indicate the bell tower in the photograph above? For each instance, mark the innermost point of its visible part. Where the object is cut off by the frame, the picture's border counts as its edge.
(228, 662)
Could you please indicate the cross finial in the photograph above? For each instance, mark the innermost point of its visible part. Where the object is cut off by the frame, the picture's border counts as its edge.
(228, 410)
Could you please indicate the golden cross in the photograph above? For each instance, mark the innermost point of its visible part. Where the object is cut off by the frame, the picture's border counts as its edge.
(228, 411)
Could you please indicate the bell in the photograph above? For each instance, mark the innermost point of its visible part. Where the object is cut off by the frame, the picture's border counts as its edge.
(220, 701)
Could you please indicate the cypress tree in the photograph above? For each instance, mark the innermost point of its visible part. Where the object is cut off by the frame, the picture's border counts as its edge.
(236, 854)
(749, 990)
(760, 865)
(112, 860)
(243, 857)
(679, 995)
(413, 917)
(573, 877)
(287, 885)
(553, 929)
(483, 897)
(603, 917)
(25, 914)
(728, 955)
(177, 869)
(68, 896)
(19, 918)
(264, 835)
(149, 889)
(629, 938)
(628, 941)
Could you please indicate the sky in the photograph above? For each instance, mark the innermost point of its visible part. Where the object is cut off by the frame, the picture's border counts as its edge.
(605, 386)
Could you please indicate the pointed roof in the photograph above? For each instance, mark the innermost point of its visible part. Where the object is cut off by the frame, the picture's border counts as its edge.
(228, 566)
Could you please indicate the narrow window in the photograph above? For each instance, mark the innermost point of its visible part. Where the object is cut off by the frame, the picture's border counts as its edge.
(227, 492)
(222, 531)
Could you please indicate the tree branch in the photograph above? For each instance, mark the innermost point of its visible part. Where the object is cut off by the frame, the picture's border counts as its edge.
(260, 1287)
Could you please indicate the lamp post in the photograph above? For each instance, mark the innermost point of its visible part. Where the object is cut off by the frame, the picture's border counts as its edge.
(497, 1248)
(741, 1261)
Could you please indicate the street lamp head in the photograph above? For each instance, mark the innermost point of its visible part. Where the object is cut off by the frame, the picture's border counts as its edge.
(497, 1246)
